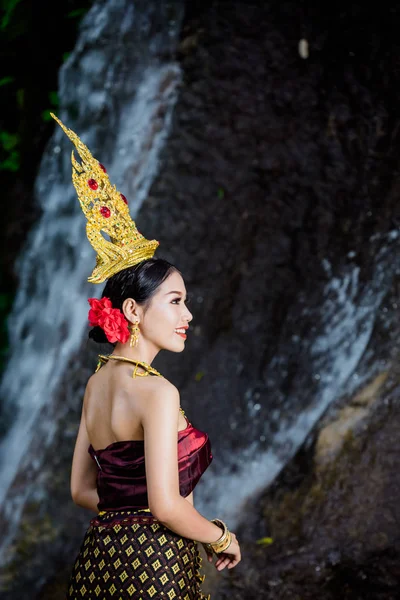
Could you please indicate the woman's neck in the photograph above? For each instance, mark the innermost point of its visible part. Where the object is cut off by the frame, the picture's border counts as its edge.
(146, 355)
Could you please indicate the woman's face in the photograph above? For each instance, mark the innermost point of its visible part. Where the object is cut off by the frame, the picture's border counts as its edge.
(165, 322)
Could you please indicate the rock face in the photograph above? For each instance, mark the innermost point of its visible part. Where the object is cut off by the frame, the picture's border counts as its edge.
(335, 527)
(349, 421)
(277, 197)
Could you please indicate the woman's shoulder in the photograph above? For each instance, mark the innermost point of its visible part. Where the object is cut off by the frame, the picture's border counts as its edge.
(156, 386)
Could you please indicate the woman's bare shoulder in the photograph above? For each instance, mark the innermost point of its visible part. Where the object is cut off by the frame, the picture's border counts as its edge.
(156, 386)
(161, 395)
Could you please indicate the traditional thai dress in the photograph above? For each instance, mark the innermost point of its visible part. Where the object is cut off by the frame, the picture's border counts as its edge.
(126, 552)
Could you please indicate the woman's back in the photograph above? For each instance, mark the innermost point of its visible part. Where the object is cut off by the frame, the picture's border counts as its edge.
(115, 404)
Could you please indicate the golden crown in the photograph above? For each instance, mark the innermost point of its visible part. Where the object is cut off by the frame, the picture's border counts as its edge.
(107, 211)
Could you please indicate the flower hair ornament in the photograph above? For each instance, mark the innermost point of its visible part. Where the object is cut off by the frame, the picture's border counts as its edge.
(110, 319)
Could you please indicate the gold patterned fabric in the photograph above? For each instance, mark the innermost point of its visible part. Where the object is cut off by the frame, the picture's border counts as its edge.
(130, 555)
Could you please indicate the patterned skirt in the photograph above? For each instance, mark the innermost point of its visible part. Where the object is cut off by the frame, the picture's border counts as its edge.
(130, 555)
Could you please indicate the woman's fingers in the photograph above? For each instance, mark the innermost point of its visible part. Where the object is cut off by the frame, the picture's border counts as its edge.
(230, 558)
(234, 562)
(222, 564)
(227, 560)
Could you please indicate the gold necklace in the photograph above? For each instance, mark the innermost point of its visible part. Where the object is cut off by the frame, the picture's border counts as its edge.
(103, 359)
(148, 369)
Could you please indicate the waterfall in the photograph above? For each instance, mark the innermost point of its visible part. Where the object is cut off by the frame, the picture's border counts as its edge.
(119, 99)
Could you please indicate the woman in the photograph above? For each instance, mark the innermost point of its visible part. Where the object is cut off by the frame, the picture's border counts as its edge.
(137, 457)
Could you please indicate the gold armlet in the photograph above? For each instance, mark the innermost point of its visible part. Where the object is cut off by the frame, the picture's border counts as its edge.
(222, 543)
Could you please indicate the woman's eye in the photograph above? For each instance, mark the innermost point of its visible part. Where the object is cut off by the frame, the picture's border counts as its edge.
(179, 299)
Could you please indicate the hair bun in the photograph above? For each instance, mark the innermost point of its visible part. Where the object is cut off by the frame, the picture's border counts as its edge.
(98, 335)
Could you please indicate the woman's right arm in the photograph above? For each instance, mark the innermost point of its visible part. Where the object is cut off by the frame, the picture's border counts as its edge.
(160, 424)
(84, 470)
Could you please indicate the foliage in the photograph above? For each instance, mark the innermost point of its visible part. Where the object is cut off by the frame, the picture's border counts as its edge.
(53, 98)
(8, 7)
(9, 144)
(31, 52)
(265, 541)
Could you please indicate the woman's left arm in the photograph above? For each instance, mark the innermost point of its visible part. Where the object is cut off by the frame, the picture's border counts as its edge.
(84, 471)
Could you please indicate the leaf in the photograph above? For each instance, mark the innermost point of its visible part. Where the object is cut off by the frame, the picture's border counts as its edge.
(79, 12)
(53, 97)
(46, 116)
(12, 163)
(66, 56)
(9, 7)
(199, 376)
(221, 193)
(6, 80)
(265, 541)
(8, 140)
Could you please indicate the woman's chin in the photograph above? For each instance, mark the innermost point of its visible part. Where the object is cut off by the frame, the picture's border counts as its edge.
(178, 350)
(177, 347)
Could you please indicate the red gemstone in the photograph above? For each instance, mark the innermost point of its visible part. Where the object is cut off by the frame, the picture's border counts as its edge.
(103, 168)
(105, 211)
(92, 183)
(124, 199)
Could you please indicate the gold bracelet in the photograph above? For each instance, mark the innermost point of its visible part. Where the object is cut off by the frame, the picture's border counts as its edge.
(223, 542)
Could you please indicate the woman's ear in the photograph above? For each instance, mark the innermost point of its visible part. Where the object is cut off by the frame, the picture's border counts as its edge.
(131, 310)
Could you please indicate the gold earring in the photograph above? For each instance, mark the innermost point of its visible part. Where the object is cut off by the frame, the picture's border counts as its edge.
(134, 331)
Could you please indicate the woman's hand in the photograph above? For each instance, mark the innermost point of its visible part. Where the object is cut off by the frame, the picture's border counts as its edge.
(230, 558)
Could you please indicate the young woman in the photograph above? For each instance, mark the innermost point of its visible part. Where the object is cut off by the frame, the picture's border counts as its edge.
(137, 457)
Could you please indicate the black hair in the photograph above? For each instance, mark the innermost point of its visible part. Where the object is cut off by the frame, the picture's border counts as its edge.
(139, 282)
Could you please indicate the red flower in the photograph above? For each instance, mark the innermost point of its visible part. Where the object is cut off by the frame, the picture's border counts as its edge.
(111, 320)
(96, 309)
(115, 326)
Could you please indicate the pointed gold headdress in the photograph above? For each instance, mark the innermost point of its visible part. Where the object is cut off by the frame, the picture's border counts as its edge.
(106, 211)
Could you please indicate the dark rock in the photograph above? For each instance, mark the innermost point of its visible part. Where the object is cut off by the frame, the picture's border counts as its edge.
(334, 527)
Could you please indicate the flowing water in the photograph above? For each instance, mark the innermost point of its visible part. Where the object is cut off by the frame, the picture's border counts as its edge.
(49, 316)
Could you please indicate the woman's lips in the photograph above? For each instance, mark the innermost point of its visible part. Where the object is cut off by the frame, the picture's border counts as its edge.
(183, 335)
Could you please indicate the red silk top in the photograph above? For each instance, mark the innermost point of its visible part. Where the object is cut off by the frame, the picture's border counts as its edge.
(121, 477)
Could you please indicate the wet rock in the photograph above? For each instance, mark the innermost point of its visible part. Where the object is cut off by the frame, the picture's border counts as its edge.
(334, 524)
(348, 422)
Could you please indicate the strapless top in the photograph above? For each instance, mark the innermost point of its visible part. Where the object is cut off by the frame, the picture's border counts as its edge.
(121, 477)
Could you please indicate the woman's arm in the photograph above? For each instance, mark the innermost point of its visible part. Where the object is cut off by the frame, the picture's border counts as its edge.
(160, 424)
(84, 471)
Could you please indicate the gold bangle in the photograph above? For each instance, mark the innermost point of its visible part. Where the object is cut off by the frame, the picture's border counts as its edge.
(224, 528)
(223, 542)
